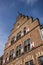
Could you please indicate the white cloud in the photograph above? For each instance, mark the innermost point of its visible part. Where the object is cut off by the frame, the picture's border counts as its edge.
(31, 2)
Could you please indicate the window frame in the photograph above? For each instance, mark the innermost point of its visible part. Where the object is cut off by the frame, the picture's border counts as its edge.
(12, 41)
(39, 60)
(19, 35)
(27, 45)
(18, 50)
(24, 30)
(11, 54)
(29, 62)
(6, 58)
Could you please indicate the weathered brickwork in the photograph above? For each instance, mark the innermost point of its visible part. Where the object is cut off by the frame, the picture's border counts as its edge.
(29, 30)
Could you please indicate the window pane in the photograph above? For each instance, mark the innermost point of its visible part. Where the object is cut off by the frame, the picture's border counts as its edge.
(41, 60)
(29, 62)
(12, 41)
(24, 30)
(12, 51)
(18, 47)
(19, 35)
(27, 45)
(16, 53)
(25, 48)
(27, 42)
(18, 50)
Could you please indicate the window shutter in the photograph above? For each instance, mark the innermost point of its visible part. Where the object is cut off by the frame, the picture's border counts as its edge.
(9, 44)
(32, 45)
(15, 39)
(41, 33)
(22, 34)
(27, 30)
(22, 50)
(3, 61)
(14, 55)
(18, 26)
(8, 59)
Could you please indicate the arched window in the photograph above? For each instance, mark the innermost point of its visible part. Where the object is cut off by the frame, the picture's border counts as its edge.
(12, 41)
(19, 35)
(24, 30)
(18, 50)
(29, 62)
(11, 54)
(27, 45)
(6, 58)
(40, 60)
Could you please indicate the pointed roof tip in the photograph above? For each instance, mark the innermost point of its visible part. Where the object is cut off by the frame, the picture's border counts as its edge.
(20, 14)
(38, 21)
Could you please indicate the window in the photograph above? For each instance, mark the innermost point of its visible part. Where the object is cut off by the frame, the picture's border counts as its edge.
(27, 45)
(1, 60)
(11, 54)
(18, 25)
(6, 57)
(40, 60)
(12, 41)
(24, 30)
(29, 62)
(18, 50)
(19, 35)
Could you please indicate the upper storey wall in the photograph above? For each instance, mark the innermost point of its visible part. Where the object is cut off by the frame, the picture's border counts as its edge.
(18, 24)
(26, 22)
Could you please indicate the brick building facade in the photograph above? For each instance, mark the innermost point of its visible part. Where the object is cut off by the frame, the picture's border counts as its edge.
(25, 43)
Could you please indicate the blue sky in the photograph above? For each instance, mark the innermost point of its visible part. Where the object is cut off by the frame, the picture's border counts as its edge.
(9, 11)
